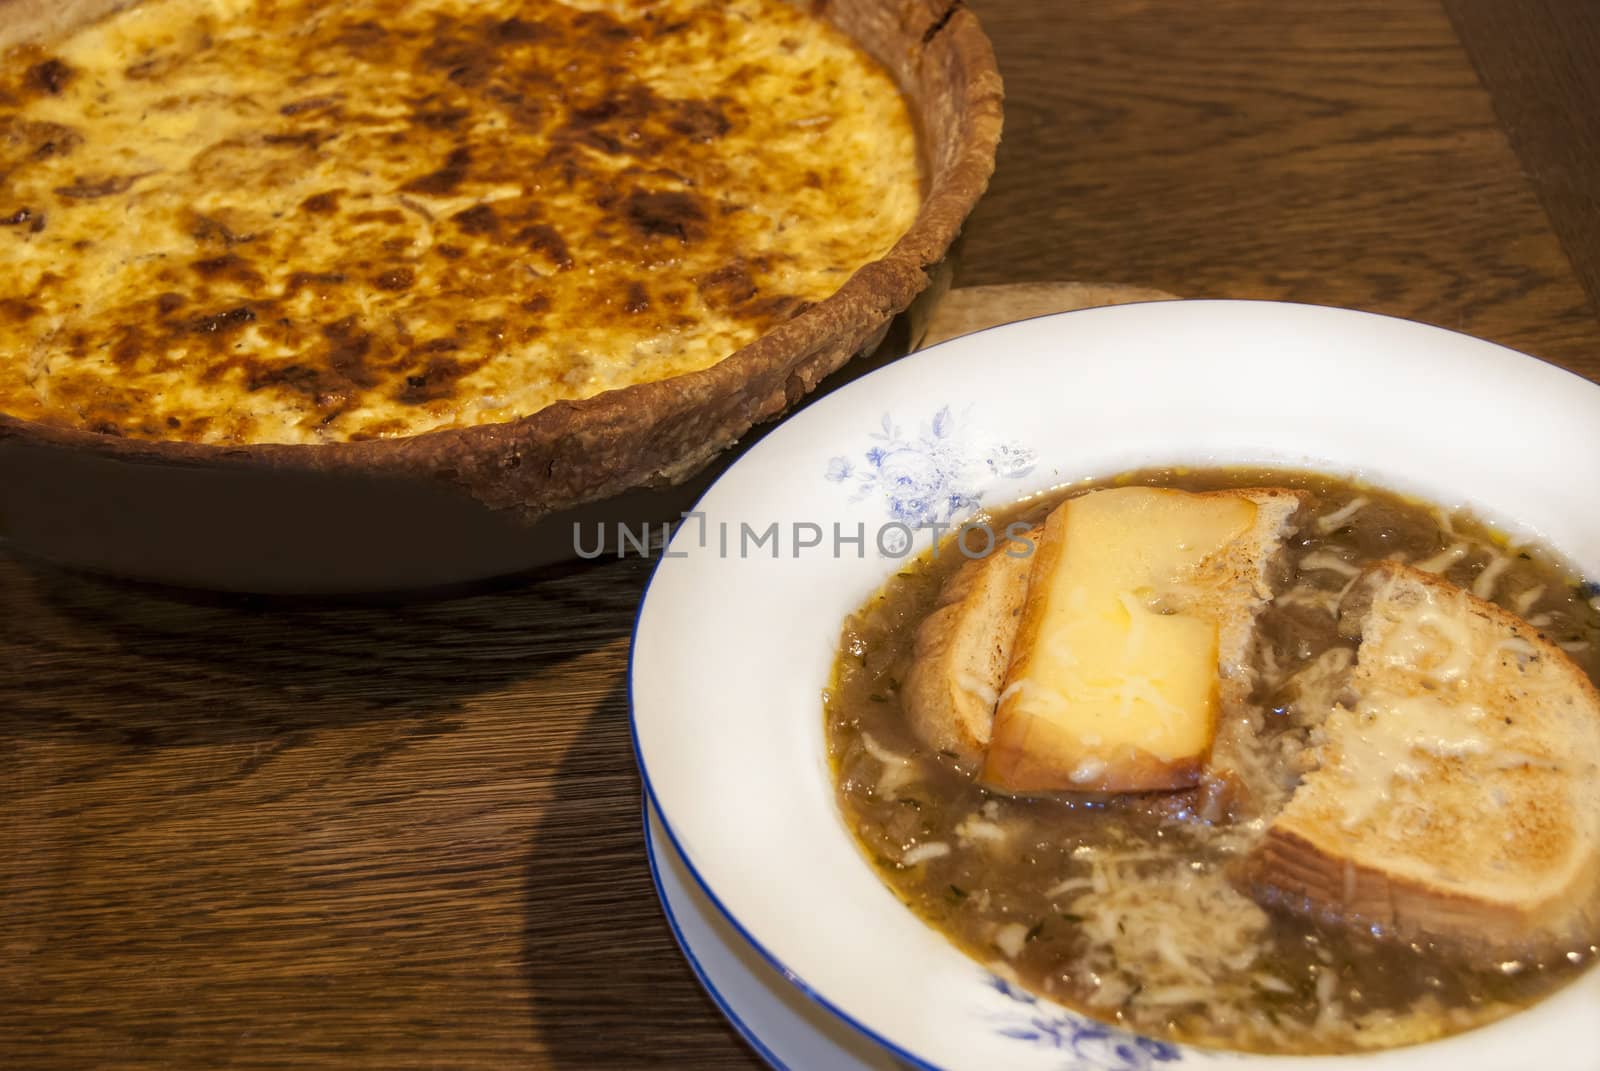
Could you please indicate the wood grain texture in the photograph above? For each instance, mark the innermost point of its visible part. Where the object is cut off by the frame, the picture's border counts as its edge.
(1339, 153)
(1540, 62)
(973, 308)
(237, 833)
(252, 835)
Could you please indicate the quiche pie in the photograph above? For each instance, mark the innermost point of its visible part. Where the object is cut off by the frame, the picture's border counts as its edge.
(540, 250)
(294, 221)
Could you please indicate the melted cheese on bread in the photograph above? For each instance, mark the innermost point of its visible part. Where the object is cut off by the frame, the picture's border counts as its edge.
(1457, 797)
(297, 221)
(1114, 684)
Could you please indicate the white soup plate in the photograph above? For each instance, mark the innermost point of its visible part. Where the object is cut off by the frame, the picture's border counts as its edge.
(738, 632)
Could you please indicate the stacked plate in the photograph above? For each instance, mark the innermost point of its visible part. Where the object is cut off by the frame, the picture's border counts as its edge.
(805, 949)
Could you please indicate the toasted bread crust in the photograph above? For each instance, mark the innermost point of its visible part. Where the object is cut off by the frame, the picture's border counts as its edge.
(1232, 586)
(1491, 841)
(1234, 772)
(1239, 581)
(962, 650)
(1134, 770)
(1049, 546)
(1291, 872)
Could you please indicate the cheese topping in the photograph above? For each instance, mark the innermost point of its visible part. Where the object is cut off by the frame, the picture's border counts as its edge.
(1123, 673)
(1447, 695)
(1393, 734)
(1421, 707)
(296, 221)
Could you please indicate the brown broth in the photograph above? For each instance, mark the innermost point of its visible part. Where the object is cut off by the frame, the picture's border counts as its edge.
(1122, 907)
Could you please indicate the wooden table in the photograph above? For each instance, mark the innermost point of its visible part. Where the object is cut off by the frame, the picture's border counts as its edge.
(408, 836)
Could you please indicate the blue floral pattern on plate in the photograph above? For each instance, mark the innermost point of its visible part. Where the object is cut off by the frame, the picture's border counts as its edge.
(937, 476)
(933, 476)
(1086, 1045)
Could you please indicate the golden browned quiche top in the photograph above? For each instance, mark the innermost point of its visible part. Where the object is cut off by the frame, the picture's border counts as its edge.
(320, 220)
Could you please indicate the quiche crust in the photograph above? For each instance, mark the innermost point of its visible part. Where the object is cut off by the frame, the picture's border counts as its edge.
(585, 448)
(298, 221)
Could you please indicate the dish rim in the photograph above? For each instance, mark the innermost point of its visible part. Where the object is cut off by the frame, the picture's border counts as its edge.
(577, 451)
(808, 989)
(743, 1029)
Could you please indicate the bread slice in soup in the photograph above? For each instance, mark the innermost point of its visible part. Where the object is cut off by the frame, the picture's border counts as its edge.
(1396, 831)
(1457, 797)
(963, 650)
(1137, 627)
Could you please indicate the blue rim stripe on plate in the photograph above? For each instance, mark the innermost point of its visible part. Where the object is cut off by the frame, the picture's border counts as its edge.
(722, 909)
(666, 825)
(633, 721)
(723, 1006)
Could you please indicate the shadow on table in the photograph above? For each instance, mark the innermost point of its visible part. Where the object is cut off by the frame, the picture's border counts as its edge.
(609, 988)
(114, 662)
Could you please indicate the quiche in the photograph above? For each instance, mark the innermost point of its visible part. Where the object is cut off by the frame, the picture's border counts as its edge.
(237, 222)
(337, 296)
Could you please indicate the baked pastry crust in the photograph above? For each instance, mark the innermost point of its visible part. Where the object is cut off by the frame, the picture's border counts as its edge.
(249, 221)
(581, 450)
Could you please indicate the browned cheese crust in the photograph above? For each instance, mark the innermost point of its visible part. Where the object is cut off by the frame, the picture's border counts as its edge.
(289, 221)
